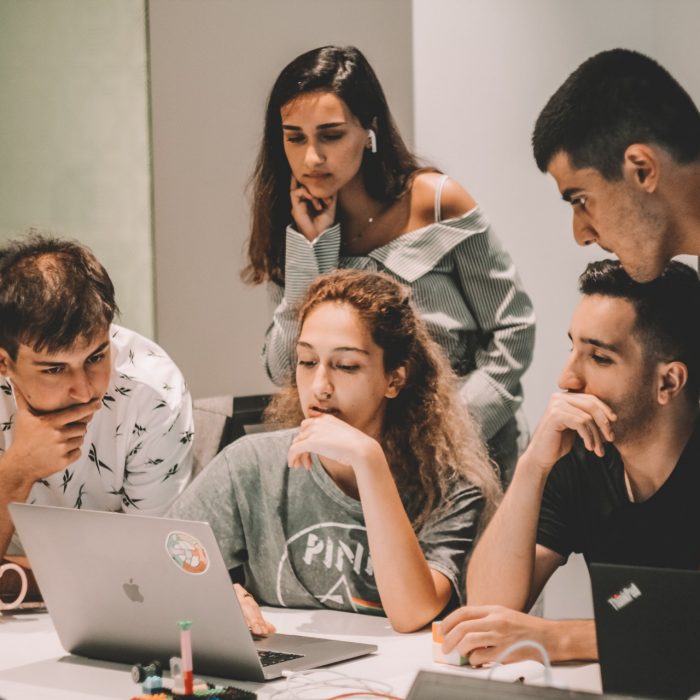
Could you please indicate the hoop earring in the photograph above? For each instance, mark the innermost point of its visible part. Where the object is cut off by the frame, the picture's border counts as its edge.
(372, 140)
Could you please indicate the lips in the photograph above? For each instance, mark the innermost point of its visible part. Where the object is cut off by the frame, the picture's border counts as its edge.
(315, 411)
(316, 176)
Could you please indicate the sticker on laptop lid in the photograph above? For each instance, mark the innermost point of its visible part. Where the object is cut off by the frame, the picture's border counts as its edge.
(187, 552)
(624, 597)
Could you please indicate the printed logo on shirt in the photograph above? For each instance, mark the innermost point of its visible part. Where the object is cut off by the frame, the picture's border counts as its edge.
(626, 596)
(332, 561)
(187, 552)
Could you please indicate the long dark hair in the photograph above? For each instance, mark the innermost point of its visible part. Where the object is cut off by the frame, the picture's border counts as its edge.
(345, 72)
(428, 436)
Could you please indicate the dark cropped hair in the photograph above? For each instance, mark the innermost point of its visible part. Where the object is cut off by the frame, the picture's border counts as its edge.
(52, 292)
(666, 309)
(612, 100)
(345, 72)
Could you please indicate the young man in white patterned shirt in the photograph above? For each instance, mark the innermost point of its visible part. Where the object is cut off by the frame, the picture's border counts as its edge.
(92, 415)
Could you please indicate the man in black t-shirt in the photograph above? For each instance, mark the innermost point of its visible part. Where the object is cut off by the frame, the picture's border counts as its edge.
(612, 471)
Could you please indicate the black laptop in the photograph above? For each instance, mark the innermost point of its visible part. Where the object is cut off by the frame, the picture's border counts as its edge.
(430, 685)
(648, 627)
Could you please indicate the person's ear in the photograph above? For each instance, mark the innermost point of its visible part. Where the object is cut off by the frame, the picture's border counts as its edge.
(672, 378)
(5, 362)
(397, 381)
(642, 166)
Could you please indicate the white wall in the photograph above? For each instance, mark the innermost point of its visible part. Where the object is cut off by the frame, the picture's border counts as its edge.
(675, 41)
(74, 144)
(483, 71)
(480, 82)
(212, 67)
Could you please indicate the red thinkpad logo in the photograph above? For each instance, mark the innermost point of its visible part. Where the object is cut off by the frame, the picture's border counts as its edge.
(626, 596)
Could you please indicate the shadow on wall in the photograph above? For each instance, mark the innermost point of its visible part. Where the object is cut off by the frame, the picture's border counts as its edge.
(568, 592)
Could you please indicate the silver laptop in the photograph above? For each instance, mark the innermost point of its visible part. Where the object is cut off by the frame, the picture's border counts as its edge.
(116, 586)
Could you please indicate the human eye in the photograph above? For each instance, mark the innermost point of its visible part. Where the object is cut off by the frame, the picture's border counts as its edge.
(333, 136)
(600, 359)
(579, 200)
(52, 370)
(306, 363)
(347, 367)
(97, 357)
(294, 138)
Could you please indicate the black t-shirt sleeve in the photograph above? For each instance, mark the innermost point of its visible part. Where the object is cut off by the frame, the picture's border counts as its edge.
(556, 529)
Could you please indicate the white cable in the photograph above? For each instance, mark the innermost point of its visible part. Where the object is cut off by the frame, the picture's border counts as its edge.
(525, 644)
(300, 683)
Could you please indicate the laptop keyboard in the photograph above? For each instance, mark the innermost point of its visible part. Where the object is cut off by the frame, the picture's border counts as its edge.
(268, 658)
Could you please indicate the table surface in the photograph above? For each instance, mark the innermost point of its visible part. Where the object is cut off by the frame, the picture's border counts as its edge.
(34, 666)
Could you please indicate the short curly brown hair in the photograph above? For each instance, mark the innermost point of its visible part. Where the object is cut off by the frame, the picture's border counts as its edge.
(52, 292)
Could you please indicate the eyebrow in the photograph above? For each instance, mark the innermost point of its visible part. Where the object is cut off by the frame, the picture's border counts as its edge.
(339, 349)
(328, 125)
(49, 363)
(610, 347)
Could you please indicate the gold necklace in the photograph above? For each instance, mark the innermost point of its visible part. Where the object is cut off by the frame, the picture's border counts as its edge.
(363, 230)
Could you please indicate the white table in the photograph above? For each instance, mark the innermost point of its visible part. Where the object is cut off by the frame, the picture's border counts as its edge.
(34, 666)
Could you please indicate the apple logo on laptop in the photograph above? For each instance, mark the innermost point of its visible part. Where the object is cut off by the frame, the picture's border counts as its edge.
(132, 591)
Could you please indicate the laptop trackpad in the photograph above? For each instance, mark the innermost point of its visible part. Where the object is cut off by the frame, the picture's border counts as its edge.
(290, 643)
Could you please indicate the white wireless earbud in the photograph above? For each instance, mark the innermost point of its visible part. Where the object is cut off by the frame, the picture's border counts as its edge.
(372, 140)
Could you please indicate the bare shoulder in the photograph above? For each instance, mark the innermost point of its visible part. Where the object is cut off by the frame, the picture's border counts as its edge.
(454, 200)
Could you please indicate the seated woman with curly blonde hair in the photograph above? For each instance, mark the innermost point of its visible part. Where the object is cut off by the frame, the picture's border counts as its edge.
(371, 500)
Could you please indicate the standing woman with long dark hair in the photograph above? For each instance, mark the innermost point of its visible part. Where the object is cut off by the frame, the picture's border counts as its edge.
(336, 187)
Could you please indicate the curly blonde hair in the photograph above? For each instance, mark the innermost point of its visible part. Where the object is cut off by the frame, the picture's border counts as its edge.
(428, 436)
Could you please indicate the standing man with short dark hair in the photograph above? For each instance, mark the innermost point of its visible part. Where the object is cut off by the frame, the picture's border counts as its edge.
(92, 415)
(622, 139)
